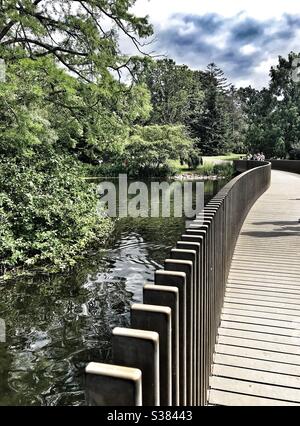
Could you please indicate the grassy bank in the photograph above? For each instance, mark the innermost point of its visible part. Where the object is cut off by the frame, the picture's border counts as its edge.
(228, 157)
(212, 166)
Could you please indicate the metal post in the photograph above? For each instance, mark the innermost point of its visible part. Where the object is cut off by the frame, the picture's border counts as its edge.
(168, 296)
(178, 280)
(139, 349)
(112, 385)
(158, 319)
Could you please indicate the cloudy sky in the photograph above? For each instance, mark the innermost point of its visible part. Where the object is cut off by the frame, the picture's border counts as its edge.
(244, 37)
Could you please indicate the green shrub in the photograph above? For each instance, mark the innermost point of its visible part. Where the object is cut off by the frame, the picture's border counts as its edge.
(105, 169)
(150, 149)
(206, 170)
(223, 169)
(194, 160)
(47, 213)
(294, 154)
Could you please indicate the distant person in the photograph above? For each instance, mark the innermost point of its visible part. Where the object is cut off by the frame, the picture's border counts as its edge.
(262, 157)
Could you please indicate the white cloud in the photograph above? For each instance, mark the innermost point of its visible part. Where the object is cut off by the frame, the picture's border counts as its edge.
(219, 40)
(160, 10)
(251, 37)
(248, 49)
(265, 65)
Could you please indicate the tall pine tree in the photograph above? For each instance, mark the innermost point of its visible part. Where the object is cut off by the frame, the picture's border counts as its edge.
(211, 127)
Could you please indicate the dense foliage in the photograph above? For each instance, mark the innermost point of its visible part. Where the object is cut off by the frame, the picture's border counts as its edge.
(203, 101)
(221, 118)
(61, 108)
(47, 213)
(274, 113)
(81, 35)
(150, 149)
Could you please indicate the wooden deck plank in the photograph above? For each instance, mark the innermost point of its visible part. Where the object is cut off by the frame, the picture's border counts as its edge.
(263, 270)
(268, 260)
(257, 354)
(263, 337)
(262, 290)
(251, 278)
(245, 274)
(264, 298)
(260, 328)
(266, 285)
(255, 389)
(262, 301)
(256, 376)
(293, 360)
(257, 344)
(261, 256)
(258, 314)
(217, 397)
(257, 302)
(257, 364)
(261, 260)
(266, 309)
(262, 321)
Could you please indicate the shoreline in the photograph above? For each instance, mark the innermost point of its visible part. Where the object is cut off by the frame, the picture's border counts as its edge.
(194, 176)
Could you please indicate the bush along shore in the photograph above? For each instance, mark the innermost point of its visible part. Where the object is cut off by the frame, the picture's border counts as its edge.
(208, 171)
(48, 214)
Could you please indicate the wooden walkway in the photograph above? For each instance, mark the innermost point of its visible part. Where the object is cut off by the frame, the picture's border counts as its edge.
(257, 355)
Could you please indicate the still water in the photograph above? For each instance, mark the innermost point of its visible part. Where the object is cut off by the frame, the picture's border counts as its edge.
(56, 324)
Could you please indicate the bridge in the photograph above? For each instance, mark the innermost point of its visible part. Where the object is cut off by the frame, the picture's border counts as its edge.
(257, 355)
(221, 323)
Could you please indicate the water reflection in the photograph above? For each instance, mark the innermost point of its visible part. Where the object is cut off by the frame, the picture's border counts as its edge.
(56, 324)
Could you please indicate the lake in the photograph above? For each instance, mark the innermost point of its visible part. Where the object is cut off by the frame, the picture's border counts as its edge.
(56, 324)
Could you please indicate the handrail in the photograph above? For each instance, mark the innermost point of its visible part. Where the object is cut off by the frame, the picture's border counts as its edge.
(291, 166)
(173, 333)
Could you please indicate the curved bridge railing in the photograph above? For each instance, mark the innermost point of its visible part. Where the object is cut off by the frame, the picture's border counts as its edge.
(292, 166)
(165, 358)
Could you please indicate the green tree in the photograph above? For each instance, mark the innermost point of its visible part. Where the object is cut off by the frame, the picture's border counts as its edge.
(237, 122)
(150, 149)
(273, 114)
(81, 35)
(262, 132)
(173, 91)
(202, 101)
(286, 89)
(42, 104)
(53, 117)
(211, 126)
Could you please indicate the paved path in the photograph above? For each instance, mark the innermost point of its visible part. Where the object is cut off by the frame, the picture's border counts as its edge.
(257, 355)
